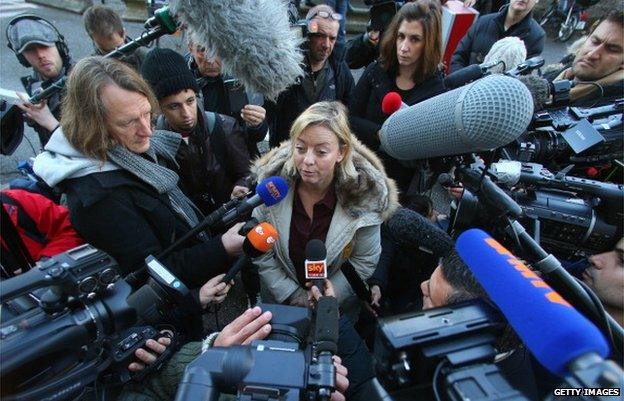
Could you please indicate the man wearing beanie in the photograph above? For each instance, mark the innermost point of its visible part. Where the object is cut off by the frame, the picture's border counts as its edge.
(213, 158)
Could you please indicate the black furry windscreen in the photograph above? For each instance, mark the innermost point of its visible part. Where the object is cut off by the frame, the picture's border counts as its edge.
(252, 37)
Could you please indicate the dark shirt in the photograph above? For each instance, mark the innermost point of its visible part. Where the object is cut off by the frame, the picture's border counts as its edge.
(304, 229)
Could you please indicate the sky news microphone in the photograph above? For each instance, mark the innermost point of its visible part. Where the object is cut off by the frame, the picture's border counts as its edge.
(392, 102)
(555, 332)
(252, 37)
(316, 263)
(259, 240)
(486, 114)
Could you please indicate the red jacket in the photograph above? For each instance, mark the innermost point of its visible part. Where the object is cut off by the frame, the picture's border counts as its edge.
(51, 220)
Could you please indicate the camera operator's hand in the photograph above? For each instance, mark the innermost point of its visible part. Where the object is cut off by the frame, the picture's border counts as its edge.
(148, 355)
(253, 115)
(342, 382)
(373, 37)
(251, 325)
(214, 291)
(375, 295)
(239, 190)
(315, 294)
(232, 242)
(39, 113)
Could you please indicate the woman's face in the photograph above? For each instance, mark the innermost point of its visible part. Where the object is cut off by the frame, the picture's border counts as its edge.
(410, 42)
(316, 153)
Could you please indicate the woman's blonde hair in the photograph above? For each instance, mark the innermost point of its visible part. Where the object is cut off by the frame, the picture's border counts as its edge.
(84, 114)
(334, 117)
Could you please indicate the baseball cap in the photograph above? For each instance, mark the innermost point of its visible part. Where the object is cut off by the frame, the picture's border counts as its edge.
(29, 31)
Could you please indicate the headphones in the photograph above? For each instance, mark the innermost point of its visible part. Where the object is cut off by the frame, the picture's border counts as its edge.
(61, 45)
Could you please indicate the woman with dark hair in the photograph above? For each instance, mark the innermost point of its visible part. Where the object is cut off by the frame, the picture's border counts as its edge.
(409, 64)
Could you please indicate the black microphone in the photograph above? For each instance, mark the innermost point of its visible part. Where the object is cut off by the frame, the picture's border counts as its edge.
(409, 229)
(253, 38)
(316, 263)
(326, 345)
(486, 114)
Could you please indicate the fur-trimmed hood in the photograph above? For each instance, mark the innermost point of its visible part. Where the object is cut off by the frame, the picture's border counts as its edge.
(372, 191)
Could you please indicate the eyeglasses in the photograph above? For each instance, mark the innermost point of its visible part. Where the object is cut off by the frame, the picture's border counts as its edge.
(327, 15)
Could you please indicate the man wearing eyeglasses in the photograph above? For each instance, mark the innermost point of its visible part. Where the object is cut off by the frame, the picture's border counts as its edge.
(327, 76)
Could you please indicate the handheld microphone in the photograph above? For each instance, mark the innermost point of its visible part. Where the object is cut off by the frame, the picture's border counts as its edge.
(411, 230)
(392, 102)
(253, 37)
(259, 240)
(486, 114)
(268, 192)
(555, 332)
(316, 263)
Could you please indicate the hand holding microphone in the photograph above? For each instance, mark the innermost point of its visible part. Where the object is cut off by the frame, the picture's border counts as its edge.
(258, 240)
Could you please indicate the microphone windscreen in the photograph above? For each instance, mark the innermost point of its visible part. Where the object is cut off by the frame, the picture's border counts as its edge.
(262, 237)
(539, 89)
(315, 250)
(327, 328)
(409, 229)
(486, 114)
(552, 329)
(272, 190)
(510, 50)
(391, 102)
(253, 38)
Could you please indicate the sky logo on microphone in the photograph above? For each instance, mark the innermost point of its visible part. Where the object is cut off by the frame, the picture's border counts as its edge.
(527, 273)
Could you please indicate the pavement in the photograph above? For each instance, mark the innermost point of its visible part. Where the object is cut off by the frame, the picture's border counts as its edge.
(71, 26)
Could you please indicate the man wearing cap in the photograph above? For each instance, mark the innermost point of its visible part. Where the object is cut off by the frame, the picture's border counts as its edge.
(327, 77)
(213, 158)
(38, 44)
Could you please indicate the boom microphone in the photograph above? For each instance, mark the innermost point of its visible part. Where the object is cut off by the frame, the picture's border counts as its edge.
(411, 230)
(486, 114)
(555, 332)
(253, 38)
(259, 240)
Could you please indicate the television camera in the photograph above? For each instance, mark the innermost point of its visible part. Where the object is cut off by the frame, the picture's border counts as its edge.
(72, 320)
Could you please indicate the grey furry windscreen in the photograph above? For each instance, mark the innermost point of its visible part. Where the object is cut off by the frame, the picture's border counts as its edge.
(252, 37)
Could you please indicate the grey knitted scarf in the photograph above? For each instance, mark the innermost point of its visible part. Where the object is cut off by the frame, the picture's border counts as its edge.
(163, 144)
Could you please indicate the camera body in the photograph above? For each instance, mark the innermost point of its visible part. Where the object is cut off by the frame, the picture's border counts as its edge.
(74, 323)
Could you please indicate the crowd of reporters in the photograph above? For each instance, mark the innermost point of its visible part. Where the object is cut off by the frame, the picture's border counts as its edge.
(145, 147)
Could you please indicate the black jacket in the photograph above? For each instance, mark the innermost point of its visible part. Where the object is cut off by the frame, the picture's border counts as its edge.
(293, 101)
(214, 97)
(365, 107)
(488, 29)
(33, 84)
(128, 219)
(360, 52)
(214, 160)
